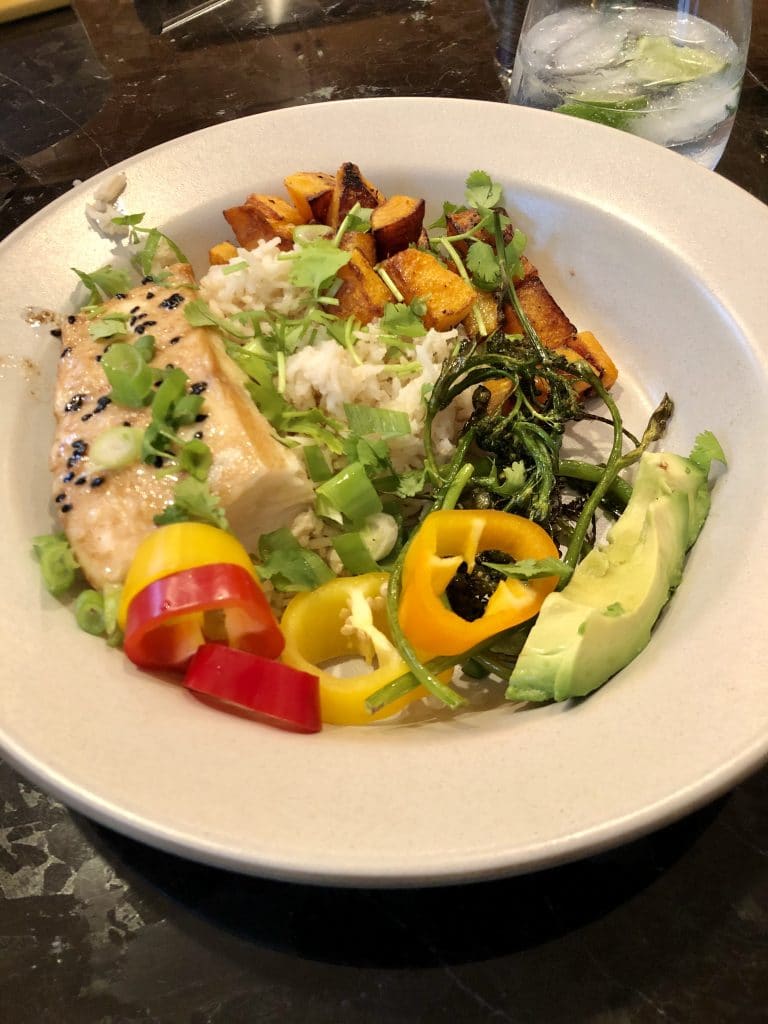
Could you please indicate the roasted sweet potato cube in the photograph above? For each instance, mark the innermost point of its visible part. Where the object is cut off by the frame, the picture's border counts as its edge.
(361, 240)
(585, 345)
(396, 224)
(487, 306)
(418, 274)
(422, 242)
(461, 221)
(547, 318)
(501, 389)
(351, 187)
(262, 218)
(311, 193)
(221, 253)
(362, 294)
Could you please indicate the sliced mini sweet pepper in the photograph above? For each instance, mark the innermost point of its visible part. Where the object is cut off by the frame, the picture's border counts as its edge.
(277, 693)
(342, 620)
(173, 548)
(169, 619)
(444, 541)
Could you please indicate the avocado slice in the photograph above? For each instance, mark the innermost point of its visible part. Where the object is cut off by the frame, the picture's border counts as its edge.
(603, 617)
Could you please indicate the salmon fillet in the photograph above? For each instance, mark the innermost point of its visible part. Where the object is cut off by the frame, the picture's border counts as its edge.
(106, 514)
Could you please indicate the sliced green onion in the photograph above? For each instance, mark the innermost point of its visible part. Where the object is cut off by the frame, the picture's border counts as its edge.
(306, 233)
(112, 593)
(326, 510)
(354, 553)
(89, 612)
(351, 493)
(233, 268)
(379, 534)
(129, 376)
(317, 464)
(116, 448)
(57, 563)
(145, 346)
(364, 420)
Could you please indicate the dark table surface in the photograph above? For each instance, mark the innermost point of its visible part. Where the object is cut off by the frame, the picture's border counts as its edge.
(97, 928)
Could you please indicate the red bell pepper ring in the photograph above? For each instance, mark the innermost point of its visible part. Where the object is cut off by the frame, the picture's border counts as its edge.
(281, 695)
(166, 620)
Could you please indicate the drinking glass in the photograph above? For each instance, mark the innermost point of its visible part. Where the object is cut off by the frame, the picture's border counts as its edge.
(667, 70)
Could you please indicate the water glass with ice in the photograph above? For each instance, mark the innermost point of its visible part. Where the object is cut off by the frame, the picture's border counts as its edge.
(668, 71)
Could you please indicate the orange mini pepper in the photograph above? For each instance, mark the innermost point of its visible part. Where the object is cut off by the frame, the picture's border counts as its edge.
(446, 539)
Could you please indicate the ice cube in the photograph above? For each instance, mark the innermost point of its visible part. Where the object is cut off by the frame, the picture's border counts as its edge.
(698, 108)
(546, 35)
(596, 47)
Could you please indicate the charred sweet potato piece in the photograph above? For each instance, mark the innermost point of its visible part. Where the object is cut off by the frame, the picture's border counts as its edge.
(362, 241)
(311, 193)
(221, 253)
(351, 187)
(396, 224)
(362, 294)
(552, 325)
(422, 242)
(501, 389)
(461, 221)
(418, 274)
(585, 345)
(487, 306)
(261, 218)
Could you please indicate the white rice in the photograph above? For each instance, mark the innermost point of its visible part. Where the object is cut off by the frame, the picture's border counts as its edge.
(326, 375)
(263, 283)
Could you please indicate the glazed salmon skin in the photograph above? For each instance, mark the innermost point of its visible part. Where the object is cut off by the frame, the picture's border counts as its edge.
(105, 514)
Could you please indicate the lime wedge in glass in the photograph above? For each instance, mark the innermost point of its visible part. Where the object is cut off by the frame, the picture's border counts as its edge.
(658, 61)
(615, 113)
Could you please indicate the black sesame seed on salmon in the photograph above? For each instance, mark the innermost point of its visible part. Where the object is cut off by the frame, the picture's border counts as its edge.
(75, 402)
(172, 301)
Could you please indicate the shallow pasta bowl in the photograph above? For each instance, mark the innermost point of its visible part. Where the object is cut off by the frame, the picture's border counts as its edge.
(665, 263)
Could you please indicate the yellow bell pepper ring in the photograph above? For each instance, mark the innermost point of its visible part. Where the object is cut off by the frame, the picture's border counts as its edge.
(446, 539)
(174, 548)
(345, 618)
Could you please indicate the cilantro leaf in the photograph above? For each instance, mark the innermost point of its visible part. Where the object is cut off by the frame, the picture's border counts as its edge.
(403, 320)
(199, 314)
(129, 219)
(483, 266)
(287, 565)
(448, 209)
(359, 220)
(107, 282)
(195, 458)
(110, 325)
(482, 193)
(315, 265)
(193, 501)
(706, 450)
(532, 569)
(513, 251)
(411, 483)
